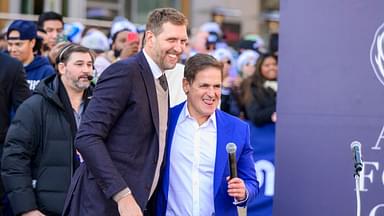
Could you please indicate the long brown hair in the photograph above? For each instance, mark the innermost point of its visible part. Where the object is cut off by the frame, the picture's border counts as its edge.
(256, 81)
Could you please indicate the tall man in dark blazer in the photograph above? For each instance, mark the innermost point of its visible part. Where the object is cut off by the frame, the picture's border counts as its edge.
(13, 91)
(122, 134)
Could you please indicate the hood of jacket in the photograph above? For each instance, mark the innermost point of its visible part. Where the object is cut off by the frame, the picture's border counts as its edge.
(38, 61)
(50, 87)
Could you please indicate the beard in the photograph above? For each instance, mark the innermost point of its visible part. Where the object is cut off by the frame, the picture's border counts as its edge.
(165, 63)
(81, 86)
(116, 53)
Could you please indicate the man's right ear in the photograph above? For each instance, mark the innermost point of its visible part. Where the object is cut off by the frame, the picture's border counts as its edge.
(60, 68)
(185, 86)
(149, 36)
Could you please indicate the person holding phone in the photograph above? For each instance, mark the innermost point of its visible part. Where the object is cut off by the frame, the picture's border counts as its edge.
(125, 43)
(131, 46)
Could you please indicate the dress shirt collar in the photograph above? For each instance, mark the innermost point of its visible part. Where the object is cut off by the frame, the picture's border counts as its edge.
(184, 115)
(156, 71)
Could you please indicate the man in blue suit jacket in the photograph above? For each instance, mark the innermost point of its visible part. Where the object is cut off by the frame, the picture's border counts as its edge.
(195, 180)
(122, 131)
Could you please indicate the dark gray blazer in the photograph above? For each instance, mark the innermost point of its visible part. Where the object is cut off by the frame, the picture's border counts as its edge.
(118, 139)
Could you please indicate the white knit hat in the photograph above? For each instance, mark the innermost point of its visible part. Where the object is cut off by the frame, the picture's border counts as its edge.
(248, 56)
(121, 25)
(95, 40)
(222, 53)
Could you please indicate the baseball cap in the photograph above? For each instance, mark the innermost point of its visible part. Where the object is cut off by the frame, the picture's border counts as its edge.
(27, 30)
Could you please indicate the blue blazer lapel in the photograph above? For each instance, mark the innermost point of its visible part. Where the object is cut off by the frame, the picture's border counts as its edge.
(149, 81)
(221, 161)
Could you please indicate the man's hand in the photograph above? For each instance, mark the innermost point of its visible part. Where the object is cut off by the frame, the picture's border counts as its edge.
(130, 49)
(236, 189)
(33, 213)
(128, 206)
(274, 117)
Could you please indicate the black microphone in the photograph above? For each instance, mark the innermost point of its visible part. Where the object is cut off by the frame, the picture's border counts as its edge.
(356, 152)
(231, 150)
(90, 77)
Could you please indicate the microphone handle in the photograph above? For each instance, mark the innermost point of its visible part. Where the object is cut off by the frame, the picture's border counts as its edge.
(358, 161)
(232, 165)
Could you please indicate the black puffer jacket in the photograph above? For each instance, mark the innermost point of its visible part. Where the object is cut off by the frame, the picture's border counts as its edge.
(39, 157)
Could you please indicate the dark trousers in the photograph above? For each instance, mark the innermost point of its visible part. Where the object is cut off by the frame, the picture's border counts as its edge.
(5, 205)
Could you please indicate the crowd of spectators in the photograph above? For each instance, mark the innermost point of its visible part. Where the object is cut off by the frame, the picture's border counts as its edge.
(249, 87)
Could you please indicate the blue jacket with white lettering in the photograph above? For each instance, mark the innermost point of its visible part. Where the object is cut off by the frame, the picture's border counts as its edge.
(37, 70)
